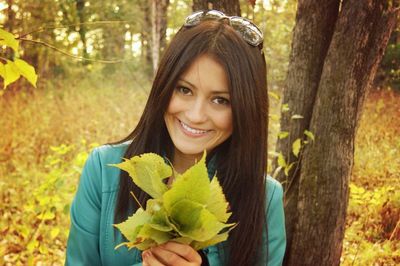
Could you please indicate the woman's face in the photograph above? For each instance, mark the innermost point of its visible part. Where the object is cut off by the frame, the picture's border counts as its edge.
(199, 114)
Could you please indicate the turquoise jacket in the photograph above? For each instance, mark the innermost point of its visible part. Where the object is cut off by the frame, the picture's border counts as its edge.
(92, 237)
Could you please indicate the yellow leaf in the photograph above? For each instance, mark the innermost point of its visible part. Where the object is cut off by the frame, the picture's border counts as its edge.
(32, 245)
(285, 107)
(43, 249)
(9, 40)
(283, 134)
(11, 73)
(309, 134)
(287, 169)
(27, 71)
(281, 160)
(273, 95)
(54, 232)
(47, 215)
(296, 147)
(297, 117)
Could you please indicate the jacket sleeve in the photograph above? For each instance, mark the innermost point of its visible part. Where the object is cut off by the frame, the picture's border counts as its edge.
(83, 240)
(276, 226)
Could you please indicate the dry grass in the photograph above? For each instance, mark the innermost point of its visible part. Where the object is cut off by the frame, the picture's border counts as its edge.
(37, 182)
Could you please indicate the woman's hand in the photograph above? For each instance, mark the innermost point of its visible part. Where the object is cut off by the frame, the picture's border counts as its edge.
(171, 254)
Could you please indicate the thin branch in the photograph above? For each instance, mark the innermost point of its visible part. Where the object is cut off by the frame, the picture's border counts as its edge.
(394, 231)
(40, 29)
(3, 58)
(74, 56)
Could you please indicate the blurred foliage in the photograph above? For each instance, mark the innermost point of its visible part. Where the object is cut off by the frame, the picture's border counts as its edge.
(46, 137)
(47, 132)
(372, 234)
(389, 71)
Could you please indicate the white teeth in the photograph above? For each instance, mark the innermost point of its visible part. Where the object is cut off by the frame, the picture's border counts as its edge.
(192, 130)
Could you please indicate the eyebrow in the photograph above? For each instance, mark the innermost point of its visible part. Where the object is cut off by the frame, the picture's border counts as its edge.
(213, 91)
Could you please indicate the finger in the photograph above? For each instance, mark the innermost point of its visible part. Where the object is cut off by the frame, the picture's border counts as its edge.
(168, 257)
(150, 260)
(183, 250)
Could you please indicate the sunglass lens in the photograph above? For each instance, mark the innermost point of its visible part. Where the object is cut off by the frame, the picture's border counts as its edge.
(248, 30)
(194, 18)
(214, 14)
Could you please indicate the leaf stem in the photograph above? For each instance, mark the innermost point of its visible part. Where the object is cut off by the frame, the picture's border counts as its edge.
(137, 201)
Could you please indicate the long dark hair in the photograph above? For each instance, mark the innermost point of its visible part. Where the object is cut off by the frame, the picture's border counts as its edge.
(241, 159)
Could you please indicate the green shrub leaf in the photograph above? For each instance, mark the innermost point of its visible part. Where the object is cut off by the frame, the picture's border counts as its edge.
(296, 146)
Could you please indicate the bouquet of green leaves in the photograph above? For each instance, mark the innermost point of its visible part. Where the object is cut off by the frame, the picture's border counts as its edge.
(193, 210)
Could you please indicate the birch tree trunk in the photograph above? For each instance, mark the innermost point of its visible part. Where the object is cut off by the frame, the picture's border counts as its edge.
(337, 47)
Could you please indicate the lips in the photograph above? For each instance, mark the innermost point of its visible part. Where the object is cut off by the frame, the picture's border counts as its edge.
(192, 131)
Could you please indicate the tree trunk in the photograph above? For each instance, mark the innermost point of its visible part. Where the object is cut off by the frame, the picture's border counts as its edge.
(80, 8)
(229, 7)
(334, 59)
(312, 34)
(158, 29)
(9, 23)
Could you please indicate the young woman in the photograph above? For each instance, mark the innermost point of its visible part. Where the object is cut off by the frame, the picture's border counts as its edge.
(210, 93)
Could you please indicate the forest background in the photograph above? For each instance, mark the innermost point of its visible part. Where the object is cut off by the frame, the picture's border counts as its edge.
(47, 132)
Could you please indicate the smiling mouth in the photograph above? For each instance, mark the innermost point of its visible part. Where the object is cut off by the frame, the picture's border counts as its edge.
(192, 130)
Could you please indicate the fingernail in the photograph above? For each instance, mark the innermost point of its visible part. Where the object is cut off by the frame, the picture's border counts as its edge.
(145, 255)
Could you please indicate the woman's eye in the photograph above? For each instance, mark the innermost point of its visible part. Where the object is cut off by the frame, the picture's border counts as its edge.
(221, 100)
(183, 90)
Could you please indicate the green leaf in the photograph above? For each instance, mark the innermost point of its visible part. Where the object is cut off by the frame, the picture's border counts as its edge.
(9, 40)
(281, 160)
(131, 227)
(217, 203)
(183, 240)
(297, 117)
(283, 134)
(197, 245)
(147, 172)
(159, 218)
(192, 220)
(309, 134)
(27, 71)
(193, 185)
(11, 73)
(296, 146)
(193, 210)
(148, 232)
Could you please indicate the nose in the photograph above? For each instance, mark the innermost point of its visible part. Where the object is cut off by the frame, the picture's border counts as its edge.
(197, 112)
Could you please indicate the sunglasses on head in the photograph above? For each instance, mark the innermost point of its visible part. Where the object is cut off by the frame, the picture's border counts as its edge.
(247, 29)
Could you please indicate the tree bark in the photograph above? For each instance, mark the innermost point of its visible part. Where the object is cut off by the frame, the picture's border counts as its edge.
(229, 7)
(312, 34)
(158, 29)
(334, 59)
(80, 8)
